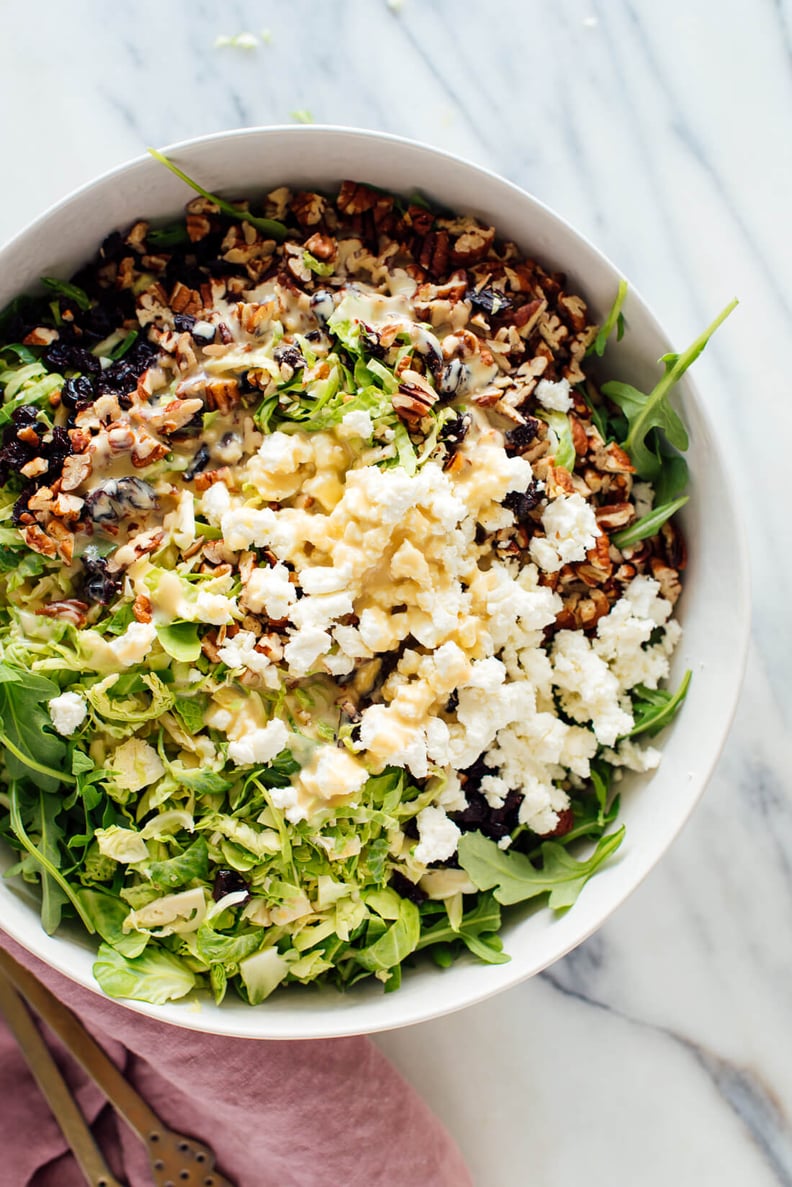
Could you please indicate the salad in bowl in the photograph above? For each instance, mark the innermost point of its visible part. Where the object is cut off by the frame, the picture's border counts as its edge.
(338, 587)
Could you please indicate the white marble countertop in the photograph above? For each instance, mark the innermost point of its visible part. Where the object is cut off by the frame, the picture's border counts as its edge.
(659, 1052)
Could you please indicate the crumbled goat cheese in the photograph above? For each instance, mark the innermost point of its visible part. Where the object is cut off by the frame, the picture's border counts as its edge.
(269, 590)
(240, 652)
(623, 635)
(213, 608)
(555, 397)
(304, 648)
(134, 645)
(571, 530)
(439, 836)
(259, 745)
(333, 776)
(67, 712)
(357, 424)
(589, 690)
(215, 502)
(633, 757)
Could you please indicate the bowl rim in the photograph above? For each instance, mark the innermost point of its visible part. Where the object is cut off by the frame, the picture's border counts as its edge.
(334, 1022)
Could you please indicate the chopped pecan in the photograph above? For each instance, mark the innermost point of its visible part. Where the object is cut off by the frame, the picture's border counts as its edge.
(41, 336)
(308, 208)
(324, 247)
(70, 610)
(185, 300)
(140, 545)
(67, 507)
(435, 253)
(579, 438)
(355, 198)
(136, 236)
(208, 478)
(614, 515)
(35, 467)
(141, 608)
(470, 241)
(414, 398)
(175, 415)
(574, 309)
(36, 539)
(670, 584)
(147, 450)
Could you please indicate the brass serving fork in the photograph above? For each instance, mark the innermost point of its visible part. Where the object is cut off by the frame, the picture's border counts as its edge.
(176, 1160)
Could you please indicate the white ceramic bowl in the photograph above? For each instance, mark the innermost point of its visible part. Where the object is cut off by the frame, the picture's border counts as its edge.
(714, 609)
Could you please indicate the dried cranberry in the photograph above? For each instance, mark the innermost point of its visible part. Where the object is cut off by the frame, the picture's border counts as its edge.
(369, 338)
(199, 462)
(99, 585)
(13, 456)
(523, 502)
(566, 822)
(62, 356)
(20, 507)
(228, 882)
(518, 439)
(59, 448)
(453, 432)
(492, 822)
(490, 300)
(25, 415)
(74, 391)
(289, 354)
(407, 889)
(114, 247)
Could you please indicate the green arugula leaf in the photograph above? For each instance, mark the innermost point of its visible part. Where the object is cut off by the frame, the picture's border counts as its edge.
(34, 752)
(614, 320)
(652, 411)
(41, 859)
(654, 708)
(50, 834)
(477, 931)
(267, 226)
(516, 879)
(648, 525)
(173, 235)
(124, 345)
(64, 289)
(156, 976)
(119, 620)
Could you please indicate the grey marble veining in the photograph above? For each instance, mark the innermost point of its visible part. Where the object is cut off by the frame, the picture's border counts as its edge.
(658, 1052)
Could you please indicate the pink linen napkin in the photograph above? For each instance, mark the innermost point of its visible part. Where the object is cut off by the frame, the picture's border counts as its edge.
(329, 1112)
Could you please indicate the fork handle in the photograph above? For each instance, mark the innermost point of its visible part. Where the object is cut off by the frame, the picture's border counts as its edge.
(123, 1097)
(54, 1088)
(175, 1158)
